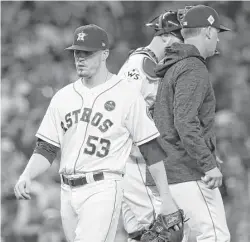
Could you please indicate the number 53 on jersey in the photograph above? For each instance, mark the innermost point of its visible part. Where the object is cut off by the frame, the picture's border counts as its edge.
(97, 146)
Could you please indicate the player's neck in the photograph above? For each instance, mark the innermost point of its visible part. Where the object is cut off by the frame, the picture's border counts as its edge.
(153, 46)
(198, 44)
(100, 77)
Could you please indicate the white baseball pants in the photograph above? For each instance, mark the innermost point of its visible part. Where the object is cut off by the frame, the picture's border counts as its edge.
(202, 206)
(90, 213)
(205, 210)
(139, 205)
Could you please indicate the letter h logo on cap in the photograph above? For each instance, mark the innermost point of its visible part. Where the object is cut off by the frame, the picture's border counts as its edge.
(90, 38)
(80, 36)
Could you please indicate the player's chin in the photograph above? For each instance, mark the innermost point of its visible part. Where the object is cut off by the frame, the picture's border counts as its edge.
(82, 73)
(212, 52)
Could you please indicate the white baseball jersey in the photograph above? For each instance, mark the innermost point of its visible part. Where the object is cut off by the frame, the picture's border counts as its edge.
(95, 127)
(139, 71)
(139, 205)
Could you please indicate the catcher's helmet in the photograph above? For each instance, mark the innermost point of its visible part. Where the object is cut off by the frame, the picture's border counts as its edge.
(166, 23)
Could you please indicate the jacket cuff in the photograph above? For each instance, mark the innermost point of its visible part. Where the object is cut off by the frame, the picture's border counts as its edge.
(208, 164)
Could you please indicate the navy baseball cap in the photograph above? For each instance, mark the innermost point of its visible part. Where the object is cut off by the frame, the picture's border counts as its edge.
(89, 38)
(202, 16)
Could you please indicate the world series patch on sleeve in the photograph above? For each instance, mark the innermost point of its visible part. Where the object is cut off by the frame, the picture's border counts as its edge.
(133, 74)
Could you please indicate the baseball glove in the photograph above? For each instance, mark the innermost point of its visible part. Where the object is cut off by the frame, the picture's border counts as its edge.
(162, 229)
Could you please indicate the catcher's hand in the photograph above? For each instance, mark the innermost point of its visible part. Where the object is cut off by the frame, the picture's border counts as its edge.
(162, 230)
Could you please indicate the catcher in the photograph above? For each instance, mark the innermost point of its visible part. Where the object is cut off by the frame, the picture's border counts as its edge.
(140, 206)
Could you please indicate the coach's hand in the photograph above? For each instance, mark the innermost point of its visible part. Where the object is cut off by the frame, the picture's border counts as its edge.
(213, 178)
(22, 188)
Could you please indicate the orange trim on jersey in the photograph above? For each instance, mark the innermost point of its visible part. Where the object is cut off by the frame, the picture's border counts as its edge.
(74, 88)
(49, 140)
(86, 129)
(147, 139)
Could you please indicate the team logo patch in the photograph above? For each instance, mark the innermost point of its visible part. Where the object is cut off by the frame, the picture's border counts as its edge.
(109, 105)
(133, 74)
(210, 19)
(81, 36)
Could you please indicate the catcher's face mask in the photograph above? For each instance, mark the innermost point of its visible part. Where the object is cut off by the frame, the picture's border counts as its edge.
(166, 23)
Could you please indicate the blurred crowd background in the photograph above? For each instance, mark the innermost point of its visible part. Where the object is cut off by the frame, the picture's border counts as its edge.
(35, 66)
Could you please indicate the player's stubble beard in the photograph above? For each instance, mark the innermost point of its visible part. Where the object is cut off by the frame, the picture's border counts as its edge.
(89, 70)
(94, 69)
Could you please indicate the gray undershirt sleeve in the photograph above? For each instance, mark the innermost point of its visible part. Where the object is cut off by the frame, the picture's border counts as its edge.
(152, 152)
(45, 149)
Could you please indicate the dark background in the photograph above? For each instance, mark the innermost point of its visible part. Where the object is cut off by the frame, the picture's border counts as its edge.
(35, 66)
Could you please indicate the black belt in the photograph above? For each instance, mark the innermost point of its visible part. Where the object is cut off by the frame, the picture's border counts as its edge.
(74, 182)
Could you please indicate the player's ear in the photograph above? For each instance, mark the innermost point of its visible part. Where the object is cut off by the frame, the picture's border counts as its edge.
(105, 54)
(208, 32)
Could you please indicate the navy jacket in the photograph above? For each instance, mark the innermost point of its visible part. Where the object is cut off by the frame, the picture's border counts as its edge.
(184, 113)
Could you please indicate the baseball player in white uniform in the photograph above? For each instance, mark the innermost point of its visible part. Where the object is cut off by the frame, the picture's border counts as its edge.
(94, 122)
(140, 206)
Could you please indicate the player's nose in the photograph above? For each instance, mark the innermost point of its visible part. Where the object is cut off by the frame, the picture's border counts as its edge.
(80, 60)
